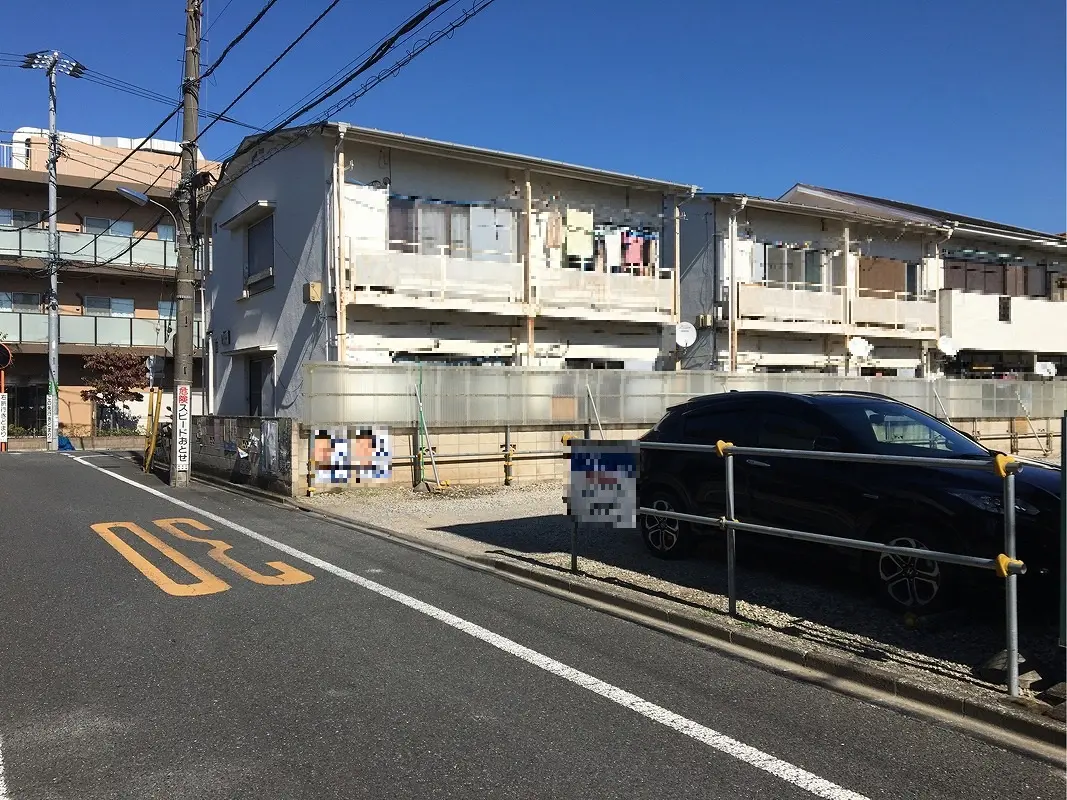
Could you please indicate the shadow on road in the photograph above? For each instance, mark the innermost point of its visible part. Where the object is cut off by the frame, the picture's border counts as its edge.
(819, 598)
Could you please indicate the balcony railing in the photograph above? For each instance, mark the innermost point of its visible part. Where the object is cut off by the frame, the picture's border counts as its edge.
(578, 290)
(895, 310)
(431, 279)
(75, 329)
(804, 303)
(791, 302)
(87, 248)
(1003, 324)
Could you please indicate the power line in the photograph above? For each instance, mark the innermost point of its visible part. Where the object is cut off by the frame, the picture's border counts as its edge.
(273, 64)
(218, 17)
(412, 23)
(340, 72)
(237, 39)
(319, 123)
(85, 192)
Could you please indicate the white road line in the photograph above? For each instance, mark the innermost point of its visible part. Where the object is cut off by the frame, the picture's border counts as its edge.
(3, 781)
(718, 741)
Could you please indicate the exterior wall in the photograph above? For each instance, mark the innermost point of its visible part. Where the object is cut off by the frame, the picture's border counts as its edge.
(245, 450)
(296, 180)
(783, 320)
(374, 334)
(83, 159)
(973, 321)
(74, 288)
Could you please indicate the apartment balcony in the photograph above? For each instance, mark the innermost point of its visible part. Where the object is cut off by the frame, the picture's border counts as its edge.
(1003, 324)
(81, 334)
(491, 283)
(396, 279)
(791, 307)
(815, 309)
(89, 249)
(578, 294)
(896, 315)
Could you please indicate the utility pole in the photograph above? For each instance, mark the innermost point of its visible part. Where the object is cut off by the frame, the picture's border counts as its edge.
(52, 62)
(180, 455)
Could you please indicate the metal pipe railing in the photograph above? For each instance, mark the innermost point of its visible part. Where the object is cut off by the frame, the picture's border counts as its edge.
(1006, 565)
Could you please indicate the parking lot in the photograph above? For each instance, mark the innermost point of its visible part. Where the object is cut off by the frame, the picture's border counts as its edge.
(809, 603)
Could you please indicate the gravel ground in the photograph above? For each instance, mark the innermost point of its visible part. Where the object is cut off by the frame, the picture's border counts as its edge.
(810, 600)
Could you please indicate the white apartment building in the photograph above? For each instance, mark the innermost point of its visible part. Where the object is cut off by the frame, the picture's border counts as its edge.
(339, 243)
(827, 281)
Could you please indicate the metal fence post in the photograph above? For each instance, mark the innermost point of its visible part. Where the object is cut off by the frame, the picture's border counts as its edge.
(1011, 609)
(1063, 530)
(507, 455)
(731, 538)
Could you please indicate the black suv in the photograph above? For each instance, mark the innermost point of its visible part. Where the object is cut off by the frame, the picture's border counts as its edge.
(934, 508)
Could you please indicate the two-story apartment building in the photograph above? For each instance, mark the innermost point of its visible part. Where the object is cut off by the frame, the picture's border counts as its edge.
(826, 281)
(340, 243)
(116, 269)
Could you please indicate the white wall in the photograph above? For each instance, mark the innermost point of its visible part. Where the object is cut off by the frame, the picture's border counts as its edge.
(375, 334)
(973, 322)
(296, 181)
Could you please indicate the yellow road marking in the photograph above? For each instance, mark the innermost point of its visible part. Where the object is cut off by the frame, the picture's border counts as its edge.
(208, 583)
(286, 576)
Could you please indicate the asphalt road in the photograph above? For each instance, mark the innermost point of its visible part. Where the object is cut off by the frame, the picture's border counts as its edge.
(307, 660)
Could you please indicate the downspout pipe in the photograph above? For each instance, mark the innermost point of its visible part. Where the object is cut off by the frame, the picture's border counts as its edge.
(733, 283)
(338, 256)
(716, 288)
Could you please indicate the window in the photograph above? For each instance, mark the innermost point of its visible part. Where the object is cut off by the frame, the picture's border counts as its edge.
(168, 309)
(21, 302)
(1005, 309)
(260, 248)
(108, 307)
(912, 280)
(166, 232)
(890, 429)
(732, 425)
(14, 218)
(100, 226)
(782, 432)
(812, 268)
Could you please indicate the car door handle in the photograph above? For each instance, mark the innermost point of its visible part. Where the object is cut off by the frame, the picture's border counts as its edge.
(754, 463)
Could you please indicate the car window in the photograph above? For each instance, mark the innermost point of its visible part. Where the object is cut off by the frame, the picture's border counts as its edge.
(887, 428)
(737, 426)
(784, 432)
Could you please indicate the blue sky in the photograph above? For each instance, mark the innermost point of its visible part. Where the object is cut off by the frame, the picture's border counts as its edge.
(955, 104)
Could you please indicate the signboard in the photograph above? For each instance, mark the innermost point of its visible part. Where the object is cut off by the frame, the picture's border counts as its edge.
(603, 484)
(50, 418)
(3, 417)
(183, 413)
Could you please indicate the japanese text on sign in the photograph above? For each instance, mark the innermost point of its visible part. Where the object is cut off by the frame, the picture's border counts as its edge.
(3, 417)
(182, 415)
(603, 485)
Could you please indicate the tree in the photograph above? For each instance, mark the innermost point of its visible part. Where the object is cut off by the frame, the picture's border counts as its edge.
(112, 376)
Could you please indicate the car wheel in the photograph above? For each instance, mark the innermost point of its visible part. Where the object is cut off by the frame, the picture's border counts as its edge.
(914, 584)
(663, 536)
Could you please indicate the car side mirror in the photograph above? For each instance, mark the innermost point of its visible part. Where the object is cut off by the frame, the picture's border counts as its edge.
(827, 444)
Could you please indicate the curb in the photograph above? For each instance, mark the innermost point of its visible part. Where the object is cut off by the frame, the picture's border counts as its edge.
(1033, 736)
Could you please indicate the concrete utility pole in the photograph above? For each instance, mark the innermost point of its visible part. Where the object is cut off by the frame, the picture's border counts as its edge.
(52, 62)
(180, 452)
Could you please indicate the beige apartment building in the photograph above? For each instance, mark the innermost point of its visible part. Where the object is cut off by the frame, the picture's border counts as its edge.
(116, 274)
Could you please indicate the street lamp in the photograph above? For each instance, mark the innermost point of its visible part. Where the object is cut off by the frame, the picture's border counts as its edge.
(53, 62)
(142, 199)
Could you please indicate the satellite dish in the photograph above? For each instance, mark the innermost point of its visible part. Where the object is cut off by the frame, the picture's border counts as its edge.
(947, 346)
(859, 347)
(685, 334)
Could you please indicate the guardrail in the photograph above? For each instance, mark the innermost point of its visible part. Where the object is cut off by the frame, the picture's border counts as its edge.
(1005, 564)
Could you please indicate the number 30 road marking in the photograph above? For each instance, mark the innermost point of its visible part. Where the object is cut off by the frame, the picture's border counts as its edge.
(207, 583)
